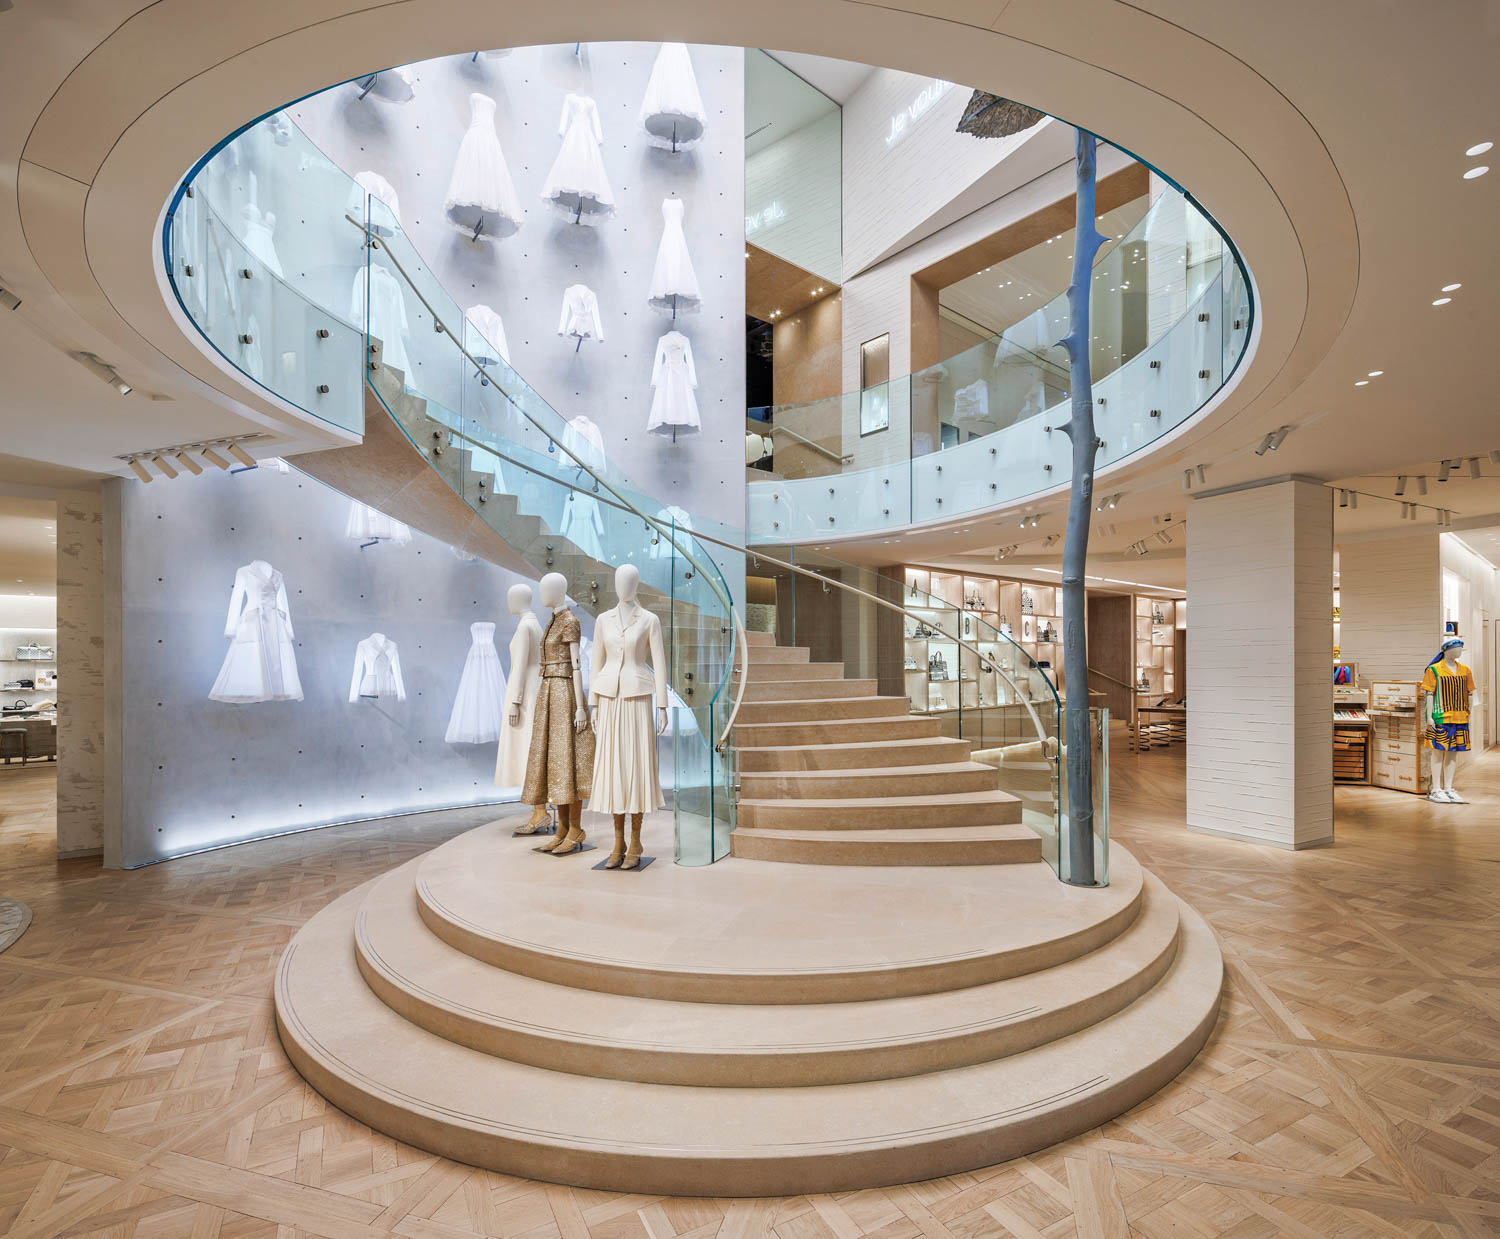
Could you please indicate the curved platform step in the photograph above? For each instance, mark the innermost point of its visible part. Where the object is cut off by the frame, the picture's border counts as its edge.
(586, 1032)
(745, 933)
(626, 1136)
(956, 845)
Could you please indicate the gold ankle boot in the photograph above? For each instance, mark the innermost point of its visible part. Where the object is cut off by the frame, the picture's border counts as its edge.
(617, 854)
(633, 856)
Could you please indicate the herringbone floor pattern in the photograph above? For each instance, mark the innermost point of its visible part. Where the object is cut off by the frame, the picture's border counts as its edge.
(1351, 1088)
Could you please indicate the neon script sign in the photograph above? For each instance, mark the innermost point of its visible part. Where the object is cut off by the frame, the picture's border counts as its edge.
(903, 120)
(766, 217)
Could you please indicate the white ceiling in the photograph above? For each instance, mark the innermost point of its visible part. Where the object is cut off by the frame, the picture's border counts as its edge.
(778, 101)
(28, 546)
(1330, 145)
(838, 79)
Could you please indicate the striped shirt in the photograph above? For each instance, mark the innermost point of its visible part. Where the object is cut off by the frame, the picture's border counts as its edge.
(1452, 690)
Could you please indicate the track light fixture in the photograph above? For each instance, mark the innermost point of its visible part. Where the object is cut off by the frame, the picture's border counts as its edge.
(188, 463)
(7, 298)
(139, 470)
(1495, 455)
(1051, 539)
(1109, 501)
(1354, 499)
(1273, 439)
(1163, 537)
(162, 463)
(1445, 467)
(214, 458)
(1421, 483)
(1400, 486)
(186, 457)
(102, 371)
(1474, 468)
(241, 455)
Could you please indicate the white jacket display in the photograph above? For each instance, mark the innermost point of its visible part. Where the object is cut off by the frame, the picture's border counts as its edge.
(261, 664)
(377, 669)
(580, 313)
(674, 407)
(629, 657)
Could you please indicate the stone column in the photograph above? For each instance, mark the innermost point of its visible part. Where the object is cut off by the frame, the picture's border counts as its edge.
(1260, 645)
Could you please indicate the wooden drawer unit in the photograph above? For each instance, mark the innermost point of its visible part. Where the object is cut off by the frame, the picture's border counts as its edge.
(1393, 694)
(1399, 758)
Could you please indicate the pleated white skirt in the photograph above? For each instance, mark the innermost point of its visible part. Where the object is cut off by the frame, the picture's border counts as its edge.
(625, 777)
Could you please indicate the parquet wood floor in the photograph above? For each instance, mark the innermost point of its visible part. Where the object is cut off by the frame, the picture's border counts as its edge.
(1352, 1087)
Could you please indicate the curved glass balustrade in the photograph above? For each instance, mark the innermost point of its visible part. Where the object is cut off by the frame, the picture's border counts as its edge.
(311, 289)
(1172, 316)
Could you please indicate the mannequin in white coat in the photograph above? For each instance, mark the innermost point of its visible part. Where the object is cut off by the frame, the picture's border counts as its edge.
(560, 766)
(520, 701)
(622, 683)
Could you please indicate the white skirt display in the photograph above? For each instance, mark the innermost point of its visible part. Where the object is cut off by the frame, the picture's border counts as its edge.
(481, 197)
(625, 773)
(674, 283)
(672, 113)
(365, 524)
(515, 742)
(479, 707)
(577, 187)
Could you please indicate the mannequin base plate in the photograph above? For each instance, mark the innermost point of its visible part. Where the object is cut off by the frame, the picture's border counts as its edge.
(587, 847)
(644, 861)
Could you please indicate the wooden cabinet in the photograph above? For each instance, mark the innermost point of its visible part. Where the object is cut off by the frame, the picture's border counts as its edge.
(1400, 758)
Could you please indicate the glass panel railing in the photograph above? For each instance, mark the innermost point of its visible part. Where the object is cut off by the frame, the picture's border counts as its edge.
(317, 293)
(1171, 319)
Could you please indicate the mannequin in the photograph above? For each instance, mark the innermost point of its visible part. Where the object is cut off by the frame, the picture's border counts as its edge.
(621, 686)
(560, 766)
(1448, 689)
(520, 701)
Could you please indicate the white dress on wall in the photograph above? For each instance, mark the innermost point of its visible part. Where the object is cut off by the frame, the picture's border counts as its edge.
(366, 524)
(672, 112)
(258, 234)
(578, 187)
(478, 709)
(580, 313)
(583, 524)
(374, 193)
(261, 664)
(484, 337)
(388, 321)
(377, 669)
(674, 283)
(524, 686)
(481, 196)
(674, 407)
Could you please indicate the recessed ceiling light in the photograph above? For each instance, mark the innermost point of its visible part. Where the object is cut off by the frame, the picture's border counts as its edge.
(1375, 374)
(1442, 301)
(1451, 288)
(1480, 149)
(1363, 383)
(1474, 172)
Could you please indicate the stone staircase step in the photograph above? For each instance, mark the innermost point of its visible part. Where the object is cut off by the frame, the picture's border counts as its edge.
(896, 812)
(917, 751)
(824, 708)
(760, 689)
(862, 731)
(931, 780)
(956, 845)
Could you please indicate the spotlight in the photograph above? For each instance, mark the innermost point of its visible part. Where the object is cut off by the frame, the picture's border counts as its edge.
(139, 470)
(1187, 479)
(188, 463)
(1343, 498)
(1052, 539)
(214, 458)
(162, 463)
(9, 299)
(1273, 440)
(1495, 455)
(241, 455)
(1400, 485)
(1164, 537)
(1354, 499)
(103, 372)
(1444, 469)
(1421, 483)
(1474, 468)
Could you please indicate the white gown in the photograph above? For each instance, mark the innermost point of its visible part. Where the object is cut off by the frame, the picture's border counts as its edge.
(524, 686)
(373, 192)
(388, 321)
(259, 236)
(261, 664)
(478, 709)
(366, 524)
(672, 112)
(674, 283)
(674, 408)
(580, 313)
(377, 669)
(480, 193)
(583, 524)
(578, 187)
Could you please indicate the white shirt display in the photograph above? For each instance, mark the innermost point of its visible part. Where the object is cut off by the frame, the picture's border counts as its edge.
(478, 707)
(577, 187)
(371, 185)
(585, 442)
(672, 114)
(580, 313)
(665, 544)
(629, 656)
(674, 283)
(365, 524)
(481, 196)
(674, 407)
(388, 321)
(484, 335)
(261, 664)
(377, 669)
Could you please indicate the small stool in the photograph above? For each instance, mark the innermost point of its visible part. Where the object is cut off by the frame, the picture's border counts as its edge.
(13, 743)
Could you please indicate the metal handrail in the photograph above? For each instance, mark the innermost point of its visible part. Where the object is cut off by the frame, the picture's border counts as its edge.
(442, 327)
(1104, 675)
(817, 447)
(743, 642)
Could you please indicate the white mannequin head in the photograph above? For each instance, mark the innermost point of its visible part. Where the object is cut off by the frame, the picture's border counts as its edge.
(627, 582)
(518, 599)
(1452, 648)
(554, 589)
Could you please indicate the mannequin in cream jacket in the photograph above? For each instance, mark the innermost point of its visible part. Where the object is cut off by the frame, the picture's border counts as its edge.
(629, 668)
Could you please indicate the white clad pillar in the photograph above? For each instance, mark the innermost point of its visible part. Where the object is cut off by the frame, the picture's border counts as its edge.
(1260, 663)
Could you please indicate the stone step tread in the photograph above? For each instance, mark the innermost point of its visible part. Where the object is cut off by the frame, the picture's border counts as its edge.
(663, 1139)
(875, 772)
(908, 742)
(933, 800)
(902, 834)
(528, 1020)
